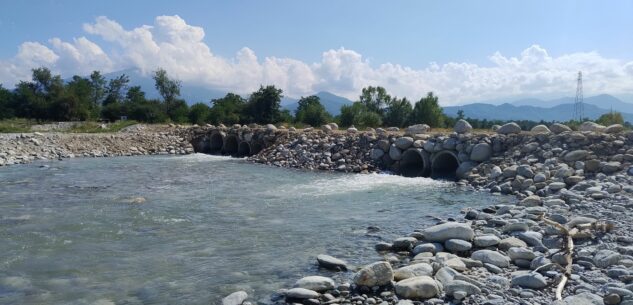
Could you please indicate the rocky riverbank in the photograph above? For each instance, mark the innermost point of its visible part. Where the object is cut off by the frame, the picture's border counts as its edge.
(27, 147)
(569, 186)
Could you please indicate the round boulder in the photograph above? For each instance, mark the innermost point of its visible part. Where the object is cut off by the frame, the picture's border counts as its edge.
(417, 288)
(481, 152)
(509, 128)
(540, 129)
(316, 283)
(376, 274)
(449, 230)
(559, 128)
(462, 126)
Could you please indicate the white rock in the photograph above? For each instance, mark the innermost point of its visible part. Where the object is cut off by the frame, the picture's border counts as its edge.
(316, 283)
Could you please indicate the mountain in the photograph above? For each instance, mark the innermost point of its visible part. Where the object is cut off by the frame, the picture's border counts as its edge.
(561, 112)
(604, 101)
(331, 102)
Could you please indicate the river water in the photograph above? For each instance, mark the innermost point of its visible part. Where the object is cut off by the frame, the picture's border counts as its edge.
(192, 229)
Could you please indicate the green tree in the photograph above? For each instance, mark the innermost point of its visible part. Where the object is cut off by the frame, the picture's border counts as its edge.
(98, 89)
(310, 111)
(610, 118)
(199, 113)
(428, 111)
(263, 105)
(79, 100)
(168, 88)
(113, 109)
(6, 104)
(460, 114)
(398, 112)
(228, 110)
(358, 115)
(375, 99)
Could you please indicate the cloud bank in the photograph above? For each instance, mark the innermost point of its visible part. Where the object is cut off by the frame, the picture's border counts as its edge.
(178, 47)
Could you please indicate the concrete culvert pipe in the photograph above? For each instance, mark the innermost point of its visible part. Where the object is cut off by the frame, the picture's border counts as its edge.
(256, 148)
(230, 145)
(216, 142)
(415, 162)
(201, 145)
(444, 165)
(244, 149)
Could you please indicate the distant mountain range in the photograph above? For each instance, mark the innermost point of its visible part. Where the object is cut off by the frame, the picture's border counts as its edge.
(560, 109)
(552, 110)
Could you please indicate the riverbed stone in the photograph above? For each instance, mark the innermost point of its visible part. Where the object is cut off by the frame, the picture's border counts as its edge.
(376, 154)
(462, 126)
(417, 129)
(459, 285)
(417, 288)
(529, 280)
(395, 153)
(509, 128)
(510, 242)
(540, 129)
(606, 258)
(491, 257)
(404, 142)
(414, 270)
(591, 126)
(235, 298)
(484, 241)
(376, 274)
(449, 230)
(316, 283)
(615, 128)
(457, 245)
(481, 152)
(559, 128)
(576, 155)
(331, 263)
(531, 201)
(301, 294)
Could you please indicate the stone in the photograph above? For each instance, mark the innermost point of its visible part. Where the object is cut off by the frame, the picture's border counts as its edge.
(583, 298)
(316, 283)
(481, 152)
(414, 270)
(606, 258)
(428, 247)
(529, 280)
(516, 253)
(491, 257)
(404, 243)
(301, 294)
(540, 129)
(611, 167)
(509, 128)
(510, 242)
(326, 128)
(462, 126)
(417, 129)
(591, 126)
(376, 274)
(376, 154)
(235, 298)
(484, 241)
(449, 230)
(459, 285)
(352, 130)
(464, 169)
(331, 263)
(525, 171)
(417, 288)
(395, 153)
(271, 127)
(404, 142)
(457, 245)
(612, 299)
(559, 128)
(531, 201)
(576, 155)
(615, 128)
(333, 126)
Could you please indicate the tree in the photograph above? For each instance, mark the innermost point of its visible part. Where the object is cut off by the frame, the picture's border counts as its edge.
(168, 88)
(6, 104)
(398, 112)
(610, 118)
(199, 113)
(375, 98)
(78, 98)
(428, 111)
(112, 109)
(460, 114)
(263, 105)
(228, 110)
(358, 115)
(98, 89)
(310, 111)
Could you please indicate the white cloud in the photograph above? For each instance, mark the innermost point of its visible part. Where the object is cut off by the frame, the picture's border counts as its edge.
(178, 47)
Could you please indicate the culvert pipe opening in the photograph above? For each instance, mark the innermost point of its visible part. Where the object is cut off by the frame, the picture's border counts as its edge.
(415, 163)
(444, 166)
(244, 149)
(201, 145)
(230, 145)
(215, 143)
(256, 148)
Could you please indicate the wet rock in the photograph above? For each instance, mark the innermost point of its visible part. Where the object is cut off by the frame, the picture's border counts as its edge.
(376, 274)
(331, 263)
(316, 283)
(301, 294)
(449, 230)
(235, 298)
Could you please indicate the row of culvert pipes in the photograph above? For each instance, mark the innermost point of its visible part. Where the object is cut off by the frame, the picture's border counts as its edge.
(413, 162)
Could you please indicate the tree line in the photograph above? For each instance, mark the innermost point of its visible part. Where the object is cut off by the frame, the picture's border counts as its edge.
(47, 97)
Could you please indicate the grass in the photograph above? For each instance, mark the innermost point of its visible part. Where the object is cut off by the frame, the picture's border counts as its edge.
(16, 125)
(96, 127)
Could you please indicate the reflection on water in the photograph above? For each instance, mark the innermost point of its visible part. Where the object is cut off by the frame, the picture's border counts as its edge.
(189, 230)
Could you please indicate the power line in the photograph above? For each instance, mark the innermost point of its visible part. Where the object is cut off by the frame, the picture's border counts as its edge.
(578, 102)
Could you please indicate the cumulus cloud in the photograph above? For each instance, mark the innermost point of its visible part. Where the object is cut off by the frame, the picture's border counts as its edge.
(180, 48)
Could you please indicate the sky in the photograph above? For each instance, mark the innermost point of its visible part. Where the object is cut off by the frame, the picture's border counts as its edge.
(464, 51)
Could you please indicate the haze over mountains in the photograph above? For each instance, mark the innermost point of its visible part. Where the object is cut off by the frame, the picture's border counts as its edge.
(534, 109)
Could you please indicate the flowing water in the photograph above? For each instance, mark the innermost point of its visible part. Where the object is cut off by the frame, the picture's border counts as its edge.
(190, 230)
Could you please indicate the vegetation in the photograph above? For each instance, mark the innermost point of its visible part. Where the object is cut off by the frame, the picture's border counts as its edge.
(46, 97)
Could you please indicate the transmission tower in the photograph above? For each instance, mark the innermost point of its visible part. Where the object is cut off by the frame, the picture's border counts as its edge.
(578, 105)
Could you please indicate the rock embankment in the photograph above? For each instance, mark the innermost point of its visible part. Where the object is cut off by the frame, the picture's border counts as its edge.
(27, 147)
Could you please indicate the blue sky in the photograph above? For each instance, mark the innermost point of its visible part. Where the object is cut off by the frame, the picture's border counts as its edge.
(411, 34)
